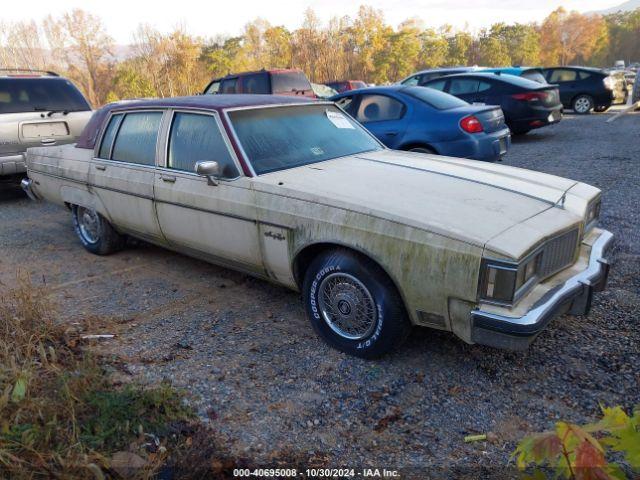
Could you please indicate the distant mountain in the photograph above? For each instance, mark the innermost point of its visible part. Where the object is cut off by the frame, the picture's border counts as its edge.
(627, 6)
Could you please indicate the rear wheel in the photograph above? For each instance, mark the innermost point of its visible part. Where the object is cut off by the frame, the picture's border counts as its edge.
(95, 232)
(353, 305)
(582, 104)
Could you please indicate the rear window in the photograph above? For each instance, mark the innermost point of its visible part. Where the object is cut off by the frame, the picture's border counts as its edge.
(435, 98)
(534, 75)
(40, 95)
(287, 82)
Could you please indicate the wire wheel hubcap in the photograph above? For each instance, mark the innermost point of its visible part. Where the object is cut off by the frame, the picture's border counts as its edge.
(583, 104)
(89, 224)
(347, 306)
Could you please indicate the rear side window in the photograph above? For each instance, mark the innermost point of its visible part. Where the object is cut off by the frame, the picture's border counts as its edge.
(196, 138)
(40, 95)
(137, 137)
(562, 75)
(288, 82)
(462, 86)
(377, 108)
(258, 83)
(584, 75)
(229, 86)
(109, 135)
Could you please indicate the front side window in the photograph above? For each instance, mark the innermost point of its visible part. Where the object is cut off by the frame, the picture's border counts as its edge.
(562, 75)
(377, 108)
(279, 138)
(347, 104)
(197, 138)
(439, 85)
(257, 83)
(228, 86)
(137, 137)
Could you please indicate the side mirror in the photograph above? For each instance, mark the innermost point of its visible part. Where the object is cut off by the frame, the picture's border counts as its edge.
(211, 170)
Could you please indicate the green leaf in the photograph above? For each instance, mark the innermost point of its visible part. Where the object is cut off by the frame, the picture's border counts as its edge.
(19, 390)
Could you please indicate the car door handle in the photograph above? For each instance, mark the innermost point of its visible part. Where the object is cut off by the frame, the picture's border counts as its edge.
(48, 141)
(101, 167)
(391, 133)
(168, 178)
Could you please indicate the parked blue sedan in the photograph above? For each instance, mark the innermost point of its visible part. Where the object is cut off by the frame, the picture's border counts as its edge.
(425, 120)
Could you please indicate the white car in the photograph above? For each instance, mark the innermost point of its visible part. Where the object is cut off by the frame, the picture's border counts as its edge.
(299, 193)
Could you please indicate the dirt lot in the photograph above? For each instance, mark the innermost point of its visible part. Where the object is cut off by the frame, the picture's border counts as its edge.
(254, 369)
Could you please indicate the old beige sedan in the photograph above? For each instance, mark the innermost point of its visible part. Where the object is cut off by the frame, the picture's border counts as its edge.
(299, 193)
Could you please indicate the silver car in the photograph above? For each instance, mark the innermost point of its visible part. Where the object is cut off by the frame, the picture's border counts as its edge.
(36, 109)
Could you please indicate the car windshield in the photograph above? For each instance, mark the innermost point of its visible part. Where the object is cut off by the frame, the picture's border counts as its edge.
(435, 98)
(279, 138)
(40, 95)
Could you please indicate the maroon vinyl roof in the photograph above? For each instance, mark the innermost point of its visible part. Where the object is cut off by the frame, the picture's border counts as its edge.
(218, 102)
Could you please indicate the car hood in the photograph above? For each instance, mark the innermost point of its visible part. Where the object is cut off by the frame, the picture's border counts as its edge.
(465, 199)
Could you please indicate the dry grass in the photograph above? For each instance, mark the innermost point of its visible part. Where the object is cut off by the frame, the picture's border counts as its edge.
(59, 414)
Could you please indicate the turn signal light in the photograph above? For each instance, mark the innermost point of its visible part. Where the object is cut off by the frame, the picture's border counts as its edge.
(471, 124)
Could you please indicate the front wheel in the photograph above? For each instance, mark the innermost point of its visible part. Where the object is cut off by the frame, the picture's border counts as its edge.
(95, 232)
(582, 104)
(353, 305)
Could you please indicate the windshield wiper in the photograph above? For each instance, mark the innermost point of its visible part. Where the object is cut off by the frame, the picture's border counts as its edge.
(50, 111)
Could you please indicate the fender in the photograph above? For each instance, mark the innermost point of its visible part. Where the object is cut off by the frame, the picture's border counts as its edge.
(83, 198)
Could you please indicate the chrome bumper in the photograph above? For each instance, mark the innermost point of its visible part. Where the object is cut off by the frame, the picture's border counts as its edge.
(574, 296)
(12, 164)
(26, 186)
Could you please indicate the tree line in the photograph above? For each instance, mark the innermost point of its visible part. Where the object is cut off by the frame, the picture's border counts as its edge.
(77, 45)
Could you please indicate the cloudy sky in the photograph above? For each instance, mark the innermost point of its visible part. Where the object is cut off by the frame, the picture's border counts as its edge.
(217, 17)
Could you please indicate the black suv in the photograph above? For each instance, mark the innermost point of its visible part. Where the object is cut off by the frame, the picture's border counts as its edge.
(582, 88)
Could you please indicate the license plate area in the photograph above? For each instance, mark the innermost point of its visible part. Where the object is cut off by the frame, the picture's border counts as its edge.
(45, 129)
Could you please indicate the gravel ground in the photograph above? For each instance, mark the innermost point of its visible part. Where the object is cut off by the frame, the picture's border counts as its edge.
(253, 368)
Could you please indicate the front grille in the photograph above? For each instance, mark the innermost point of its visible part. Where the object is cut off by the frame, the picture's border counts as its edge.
(558, 253)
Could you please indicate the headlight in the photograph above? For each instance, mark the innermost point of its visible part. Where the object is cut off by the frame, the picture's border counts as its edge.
(593, 213)
(505, 282)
